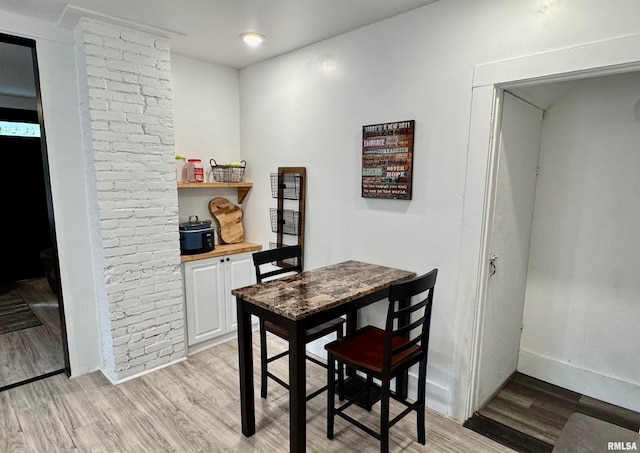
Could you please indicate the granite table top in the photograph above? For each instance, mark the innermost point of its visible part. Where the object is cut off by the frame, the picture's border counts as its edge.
(301, 295)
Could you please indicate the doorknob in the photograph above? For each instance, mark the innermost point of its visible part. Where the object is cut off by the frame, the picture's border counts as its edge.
(492, 265)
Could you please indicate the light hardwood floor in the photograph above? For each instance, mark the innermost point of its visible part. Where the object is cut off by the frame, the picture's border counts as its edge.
(34, 351)
(192, 406)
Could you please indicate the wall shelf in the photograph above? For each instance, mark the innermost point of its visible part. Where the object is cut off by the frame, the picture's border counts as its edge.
(243, 187)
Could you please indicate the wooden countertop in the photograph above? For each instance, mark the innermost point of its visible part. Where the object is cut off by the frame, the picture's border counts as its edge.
(223, 249)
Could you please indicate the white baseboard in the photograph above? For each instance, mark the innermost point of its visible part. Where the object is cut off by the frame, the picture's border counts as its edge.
(606, 388)
(142, 373)
(437, 395)
(199, 347)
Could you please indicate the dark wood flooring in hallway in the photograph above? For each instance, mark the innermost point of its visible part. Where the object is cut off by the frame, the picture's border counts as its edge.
(528, 414)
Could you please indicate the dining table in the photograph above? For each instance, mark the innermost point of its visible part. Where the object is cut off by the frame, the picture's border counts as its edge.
(298, 302)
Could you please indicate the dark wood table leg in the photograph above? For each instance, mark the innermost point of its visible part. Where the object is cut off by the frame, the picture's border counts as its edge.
(245, 357)
(297, 389)
(352, 322)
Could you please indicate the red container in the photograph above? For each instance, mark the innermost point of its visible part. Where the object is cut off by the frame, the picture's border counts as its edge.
(194, 171)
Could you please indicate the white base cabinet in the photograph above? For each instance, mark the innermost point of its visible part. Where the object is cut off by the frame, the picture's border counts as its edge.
(210, 306)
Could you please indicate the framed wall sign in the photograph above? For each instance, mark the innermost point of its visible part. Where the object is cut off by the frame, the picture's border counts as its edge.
(387, 160)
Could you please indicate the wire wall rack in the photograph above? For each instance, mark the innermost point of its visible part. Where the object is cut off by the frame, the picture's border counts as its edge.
(288, 219)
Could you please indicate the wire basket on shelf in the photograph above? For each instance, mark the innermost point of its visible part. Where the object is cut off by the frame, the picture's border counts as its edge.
(290, 221)
(228, 173)
(289, 183)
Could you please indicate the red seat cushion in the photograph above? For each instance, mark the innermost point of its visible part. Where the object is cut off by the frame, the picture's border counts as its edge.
(364, 349)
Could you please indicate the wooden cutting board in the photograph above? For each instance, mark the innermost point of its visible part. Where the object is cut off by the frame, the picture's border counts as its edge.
(229, 218)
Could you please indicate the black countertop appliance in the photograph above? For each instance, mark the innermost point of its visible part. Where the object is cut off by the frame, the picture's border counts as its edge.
(196, 236)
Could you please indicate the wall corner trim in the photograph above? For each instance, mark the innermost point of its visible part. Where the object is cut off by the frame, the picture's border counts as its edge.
(609, 56)
(72, 15)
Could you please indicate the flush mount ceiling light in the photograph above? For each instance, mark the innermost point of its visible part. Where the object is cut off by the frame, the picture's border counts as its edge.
(252, 39)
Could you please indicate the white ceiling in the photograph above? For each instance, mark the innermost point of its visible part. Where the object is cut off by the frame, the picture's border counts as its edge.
(209, 29)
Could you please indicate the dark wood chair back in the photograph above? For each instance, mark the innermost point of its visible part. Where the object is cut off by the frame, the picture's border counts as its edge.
(287, 258)
(387, 354)
(402, 308)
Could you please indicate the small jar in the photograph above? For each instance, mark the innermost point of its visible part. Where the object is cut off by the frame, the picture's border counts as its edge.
(194, 171)
(180, 163)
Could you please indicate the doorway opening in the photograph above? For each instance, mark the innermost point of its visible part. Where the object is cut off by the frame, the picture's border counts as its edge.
(33, 340)
(560, 242)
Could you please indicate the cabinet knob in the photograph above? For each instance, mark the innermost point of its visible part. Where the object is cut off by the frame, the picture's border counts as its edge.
(228, 259)
(222, 260)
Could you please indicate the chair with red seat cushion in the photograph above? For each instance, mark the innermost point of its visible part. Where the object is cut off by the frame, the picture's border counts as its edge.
(385, 354)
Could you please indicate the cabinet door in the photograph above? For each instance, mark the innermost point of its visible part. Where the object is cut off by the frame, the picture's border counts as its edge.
(240, 272)
(205, 299)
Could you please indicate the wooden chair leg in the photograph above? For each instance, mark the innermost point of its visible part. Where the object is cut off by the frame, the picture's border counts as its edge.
(340, 335)
(263, 360)
(422, 381)
(369, 388)
(331, 389)
(340, 380)
(384, 415)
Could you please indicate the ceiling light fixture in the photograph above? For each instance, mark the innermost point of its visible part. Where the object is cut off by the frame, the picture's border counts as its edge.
(252, 39)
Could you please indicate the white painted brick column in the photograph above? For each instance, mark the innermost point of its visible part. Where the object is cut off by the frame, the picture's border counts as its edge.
(127, 114)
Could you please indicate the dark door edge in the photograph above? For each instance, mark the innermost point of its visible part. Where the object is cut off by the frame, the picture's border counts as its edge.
(33, 379)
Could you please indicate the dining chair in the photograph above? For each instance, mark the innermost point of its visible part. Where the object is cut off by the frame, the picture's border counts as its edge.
(385, 354)
(287, 259)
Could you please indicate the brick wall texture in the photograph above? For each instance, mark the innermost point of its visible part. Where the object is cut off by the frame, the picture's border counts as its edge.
(127, 111)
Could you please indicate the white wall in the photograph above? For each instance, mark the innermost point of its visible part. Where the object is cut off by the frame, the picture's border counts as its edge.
(307, 108)
(58, 83)
(581, 310)
(207, 124)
